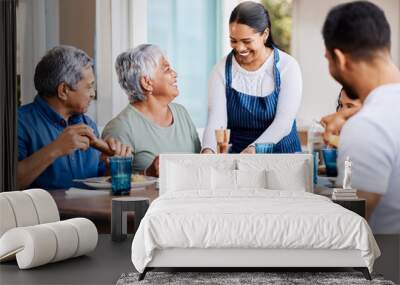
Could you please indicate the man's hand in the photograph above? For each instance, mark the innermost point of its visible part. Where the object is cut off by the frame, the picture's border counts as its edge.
(154, 168)
(72, 138)
(251, 149)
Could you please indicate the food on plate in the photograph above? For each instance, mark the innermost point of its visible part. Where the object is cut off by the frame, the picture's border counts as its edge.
(138, 178)
(134, 178)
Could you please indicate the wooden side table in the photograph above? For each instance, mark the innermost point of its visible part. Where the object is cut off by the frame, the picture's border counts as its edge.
(121, 206)
(357, 206)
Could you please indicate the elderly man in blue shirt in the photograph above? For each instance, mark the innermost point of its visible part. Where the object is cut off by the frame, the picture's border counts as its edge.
(54, 135)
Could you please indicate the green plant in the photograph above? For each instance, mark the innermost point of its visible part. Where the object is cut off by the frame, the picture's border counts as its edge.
(280, 12)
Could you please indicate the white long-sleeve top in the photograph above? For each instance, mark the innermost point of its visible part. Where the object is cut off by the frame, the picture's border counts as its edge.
(256, 83)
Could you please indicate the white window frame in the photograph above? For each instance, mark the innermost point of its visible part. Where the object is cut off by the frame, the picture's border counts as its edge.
(120, 25)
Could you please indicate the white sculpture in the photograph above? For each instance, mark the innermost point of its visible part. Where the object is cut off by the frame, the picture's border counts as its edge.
(31, 231)
(347, 174)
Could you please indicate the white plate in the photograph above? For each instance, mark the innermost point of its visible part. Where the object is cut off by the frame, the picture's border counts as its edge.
(103, 182)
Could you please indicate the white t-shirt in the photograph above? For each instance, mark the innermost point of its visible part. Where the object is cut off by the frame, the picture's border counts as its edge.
(258, 83)
(371, 139)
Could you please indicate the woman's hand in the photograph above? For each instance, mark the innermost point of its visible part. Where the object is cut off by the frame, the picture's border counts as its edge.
(333, 123)
(115, 147)
(119, 148)
(207, 151)
(251, 149)
(154, 168)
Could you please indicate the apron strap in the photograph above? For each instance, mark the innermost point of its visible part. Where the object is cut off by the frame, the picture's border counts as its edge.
(277, 76)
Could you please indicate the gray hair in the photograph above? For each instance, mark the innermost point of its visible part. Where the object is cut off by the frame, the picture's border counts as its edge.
(135, 63)
(61, 64)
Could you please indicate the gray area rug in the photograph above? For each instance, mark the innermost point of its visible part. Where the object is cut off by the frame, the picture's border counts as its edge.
(228, 278)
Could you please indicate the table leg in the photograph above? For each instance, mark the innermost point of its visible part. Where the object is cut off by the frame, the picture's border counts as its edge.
(116, 222)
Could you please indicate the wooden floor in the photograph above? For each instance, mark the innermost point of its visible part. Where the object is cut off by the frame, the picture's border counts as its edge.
(110, 259)
(103, 266)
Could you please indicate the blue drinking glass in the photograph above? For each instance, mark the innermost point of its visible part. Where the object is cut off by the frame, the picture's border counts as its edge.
(330, 156)
(121, 171)
(265, 147)
(315, 166)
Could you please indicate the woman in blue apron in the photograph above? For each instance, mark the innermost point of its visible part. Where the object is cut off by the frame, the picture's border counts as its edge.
(255, 91)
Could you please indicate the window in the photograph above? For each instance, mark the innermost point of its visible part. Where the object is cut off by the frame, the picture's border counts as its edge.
(280, 12)
(187, 31)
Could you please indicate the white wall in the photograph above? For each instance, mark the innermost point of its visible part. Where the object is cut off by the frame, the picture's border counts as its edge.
(31, 38)
(320, 90)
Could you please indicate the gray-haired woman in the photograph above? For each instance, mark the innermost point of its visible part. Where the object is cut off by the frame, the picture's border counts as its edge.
(151, 123)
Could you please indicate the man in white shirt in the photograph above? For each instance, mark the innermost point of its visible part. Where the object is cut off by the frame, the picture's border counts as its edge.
(357, 40)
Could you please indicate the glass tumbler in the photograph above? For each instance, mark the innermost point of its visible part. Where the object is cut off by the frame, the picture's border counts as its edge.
(265, 147)
(121, 171)
(330, 157)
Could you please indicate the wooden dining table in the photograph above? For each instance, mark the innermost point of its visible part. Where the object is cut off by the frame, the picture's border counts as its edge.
(95, 205)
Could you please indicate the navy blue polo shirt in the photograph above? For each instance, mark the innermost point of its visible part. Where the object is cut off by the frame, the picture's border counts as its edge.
(38, 126)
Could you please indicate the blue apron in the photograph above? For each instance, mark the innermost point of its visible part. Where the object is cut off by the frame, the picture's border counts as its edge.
(249, 116)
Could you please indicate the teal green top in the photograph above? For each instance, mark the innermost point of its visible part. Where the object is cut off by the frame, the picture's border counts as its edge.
(149, 139)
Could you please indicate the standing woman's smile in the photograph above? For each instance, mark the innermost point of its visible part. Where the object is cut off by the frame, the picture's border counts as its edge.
(248, 46)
